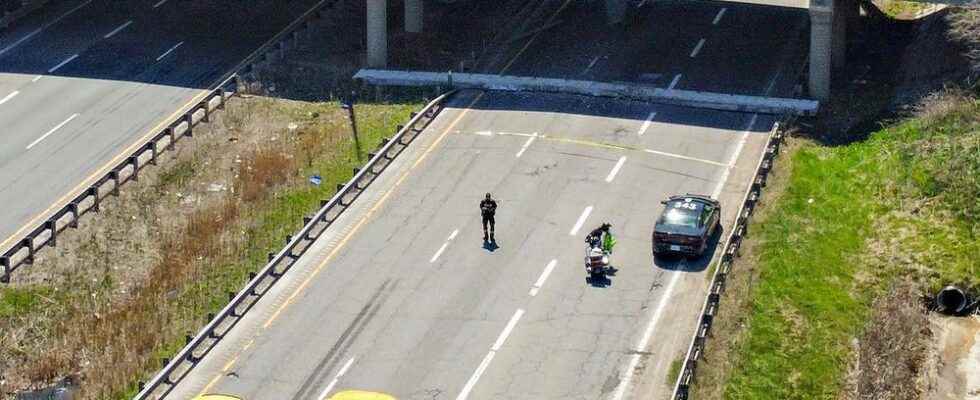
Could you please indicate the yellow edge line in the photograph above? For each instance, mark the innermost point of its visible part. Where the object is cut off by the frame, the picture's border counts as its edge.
(88, 181)
(347, 237)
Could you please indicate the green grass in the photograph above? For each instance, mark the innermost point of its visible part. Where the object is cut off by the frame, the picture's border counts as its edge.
(674, 371)
(15, 302)
(820, 255)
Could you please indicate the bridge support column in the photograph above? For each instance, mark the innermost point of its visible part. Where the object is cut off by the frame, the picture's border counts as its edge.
(413, 16)
(821, 47)
(615, 11)
(377, 33)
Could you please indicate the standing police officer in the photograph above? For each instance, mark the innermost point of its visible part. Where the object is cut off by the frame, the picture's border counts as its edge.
(488, 207)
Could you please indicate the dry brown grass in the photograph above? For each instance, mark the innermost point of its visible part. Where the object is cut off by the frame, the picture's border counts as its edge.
(889, 355)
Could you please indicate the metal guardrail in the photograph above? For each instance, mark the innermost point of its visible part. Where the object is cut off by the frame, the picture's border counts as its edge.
(711, 303)
(221, 323)
(145, 151)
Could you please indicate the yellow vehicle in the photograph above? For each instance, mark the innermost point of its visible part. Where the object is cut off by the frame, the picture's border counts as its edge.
(360, 395)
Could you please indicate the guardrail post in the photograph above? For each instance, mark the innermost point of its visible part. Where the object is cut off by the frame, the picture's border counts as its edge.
(94, 192)
(153, 152)
(5, 269)
(73, 209)
(189, 118)
(53, 226)
(29, 243)
(221, 93)
(170, 132)
(135, 161)
(207, 111)
(114, 175)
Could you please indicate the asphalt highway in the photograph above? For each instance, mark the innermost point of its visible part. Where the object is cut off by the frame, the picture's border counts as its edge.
(402, 296)
(82, 82)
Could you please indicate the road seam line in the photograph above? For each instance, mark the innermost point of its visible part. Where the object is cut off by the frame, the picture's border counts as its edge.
(544, 277)
(697, 48)
(591, 64)
(647, 123)
(581, 221)
(44, 136)
(117, 30)
(62, 64)
(615, 170)
(159, 3)
(341, 373)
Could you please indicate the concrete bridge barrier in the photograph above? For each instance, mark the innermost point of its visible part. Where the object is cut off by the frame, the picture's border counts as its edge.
(710, 100)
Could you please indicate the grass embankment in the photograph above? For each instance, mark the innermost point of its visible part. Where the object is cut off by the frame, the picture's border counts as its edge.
(207, 220)
(849, 224)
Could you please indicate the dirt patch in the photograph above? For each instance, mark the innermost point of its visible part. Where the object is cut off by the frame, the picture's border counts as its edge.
(953, 361)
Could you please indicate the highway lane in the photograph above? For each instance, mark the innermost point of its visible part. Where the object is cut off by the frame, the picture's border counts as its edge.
(718, 46)
(407, 295)
(76, 94)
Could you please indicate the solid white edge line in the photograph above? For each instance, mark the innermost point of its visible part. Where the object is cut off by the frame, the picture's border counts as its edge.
(336, 379)
(9, 96)
(672, 155)
(62, 64)
(734, 158)
(159, 3)
(673, 83)
(476, 376)
(581, 220)
(63, 123)
(544, 277)
(166, 53)
(615, 170)
(39, 30)
(507, 329)
(720, 14)
(439, 252)
(645, 339)
(120, 28)
(647, 122)
(697, 48)
(527, 144)
(37, 78)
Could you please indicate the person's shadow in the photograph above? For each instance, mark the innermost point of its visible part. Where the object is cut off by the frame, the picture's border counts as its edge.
(490, 245)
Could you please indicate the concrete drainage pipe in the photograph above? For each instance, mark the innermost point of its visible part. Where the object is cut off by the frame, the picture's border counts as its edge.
(951, 299)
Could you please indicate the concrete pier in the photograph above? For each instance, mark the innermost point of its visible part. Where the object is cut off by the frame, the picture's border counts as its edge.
(377, 33)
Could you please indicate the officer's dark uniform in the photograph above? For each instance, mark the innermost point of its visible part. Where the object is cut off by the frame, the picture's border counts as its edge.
(487, 208)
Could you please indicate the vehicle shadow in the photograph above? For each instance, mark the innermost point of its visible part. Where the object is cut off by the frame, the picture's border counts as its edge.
(677, 262)
(602, 281)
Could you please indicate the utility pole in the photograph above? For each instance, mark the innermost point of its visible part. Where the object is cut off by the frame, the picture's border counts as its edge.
(349, 106)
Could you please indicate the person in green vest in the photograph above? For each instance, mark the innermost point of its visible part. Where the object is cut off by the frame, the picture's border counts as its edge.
(602, 236)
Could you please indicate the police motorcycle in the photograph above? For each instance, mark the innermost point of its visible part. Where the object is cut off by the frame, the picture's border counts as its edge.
(596, 259)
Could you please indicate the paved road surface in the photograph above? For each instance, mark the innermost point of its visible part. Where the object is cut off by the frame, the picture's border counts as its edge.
(401, 296)
(98, 76)
(409, 296)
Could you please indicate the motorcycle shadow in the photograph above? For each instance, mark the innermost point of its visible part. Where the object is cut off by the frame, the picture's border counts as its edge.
(601, 280)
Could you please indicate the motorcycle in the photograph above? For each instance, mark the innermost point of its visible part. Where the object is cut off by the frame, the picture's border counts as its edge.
(596, 262)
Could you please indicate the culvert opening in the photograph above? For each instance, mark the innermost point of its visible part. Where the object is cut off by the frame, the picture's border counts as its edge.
(951, 299)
